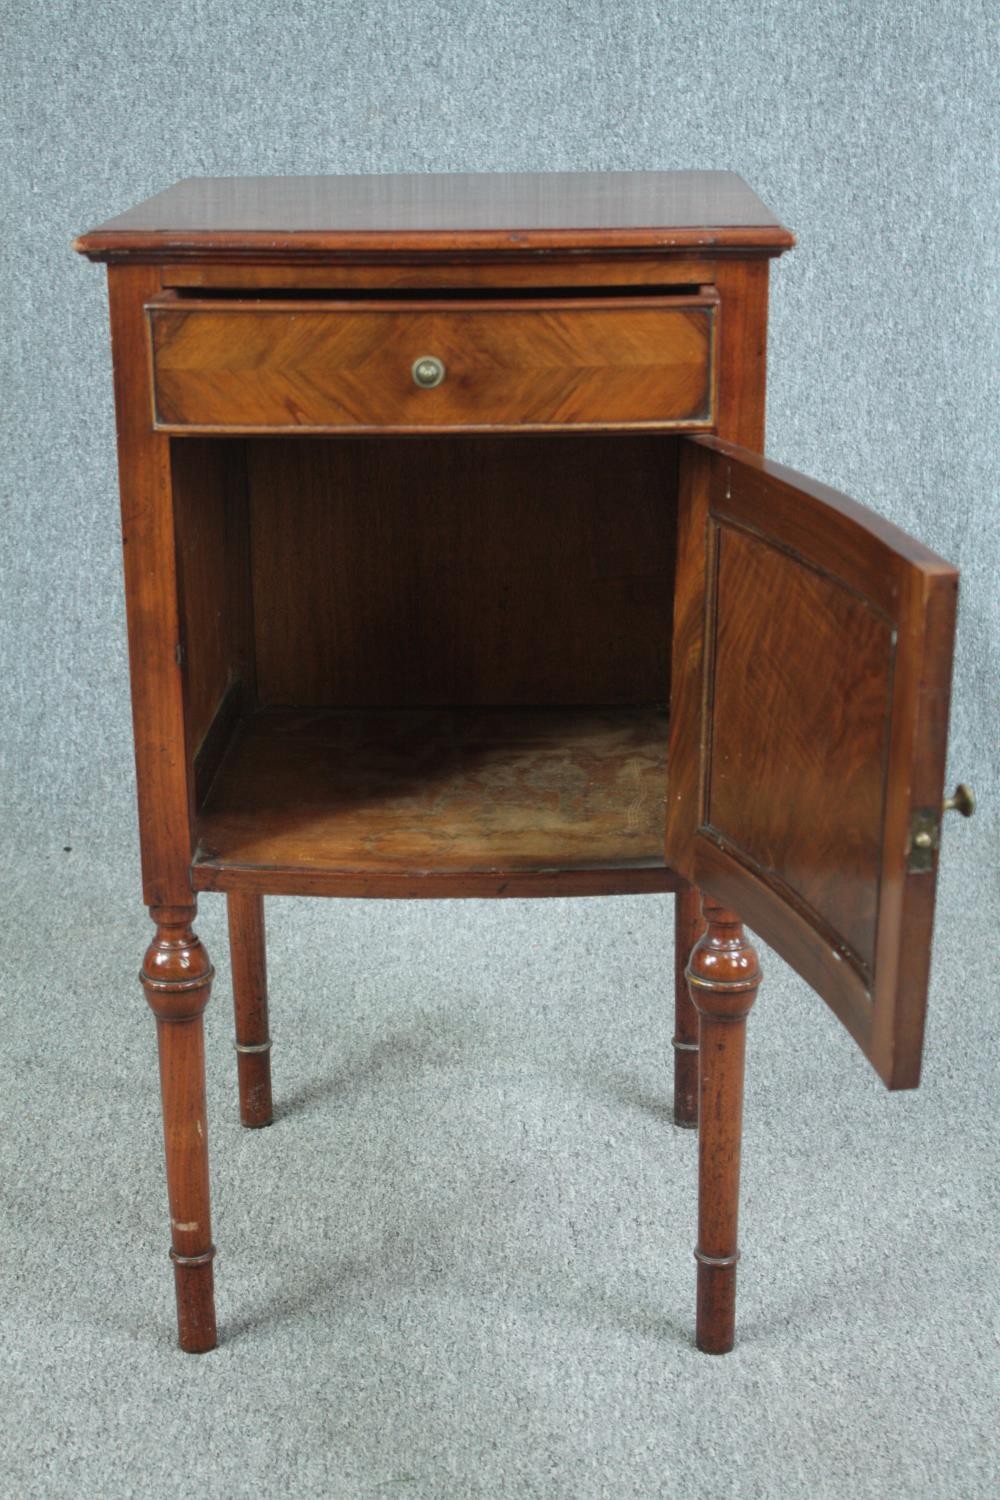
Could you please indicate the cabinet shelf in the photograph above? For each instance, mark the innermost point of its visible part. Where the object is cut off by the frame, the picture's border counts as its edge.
(424, 802)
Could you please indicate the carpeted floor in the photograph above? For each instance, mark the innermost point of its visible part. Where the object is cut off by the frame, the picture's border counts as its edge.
(460, 1262)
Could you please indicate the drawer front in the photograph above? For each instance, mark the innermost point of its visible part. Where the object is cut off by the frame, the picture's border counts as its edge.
(332, 366)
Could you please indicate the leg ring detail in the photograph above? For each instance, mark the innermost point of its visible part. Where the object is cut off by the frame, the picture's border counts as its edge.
(193, 1260)
(719, 1261)
(177, 986)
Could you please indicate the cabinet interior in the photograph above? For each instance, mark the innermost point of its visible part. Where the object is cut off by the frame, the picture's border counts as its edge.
(434, 653)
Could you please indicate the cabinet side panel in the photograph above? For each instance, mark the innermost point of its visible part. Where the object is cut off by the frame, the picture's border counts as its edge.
(151, 600)
(742, 351)
(212, 537)
(422, 572)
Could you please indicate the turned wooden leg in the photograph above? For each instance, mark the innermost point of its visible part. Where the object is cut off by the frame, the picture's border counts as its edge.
(723, 975)
(253, 1045)
(688, 928)
(177, 977)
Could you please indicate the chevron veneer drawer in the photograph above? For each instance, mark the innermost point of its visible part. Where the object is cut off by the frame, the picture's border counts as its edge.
(409, 366)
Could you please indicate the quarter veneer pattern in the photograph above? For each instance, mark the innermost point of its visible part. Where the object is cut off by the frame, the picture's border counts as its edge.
(323, 366)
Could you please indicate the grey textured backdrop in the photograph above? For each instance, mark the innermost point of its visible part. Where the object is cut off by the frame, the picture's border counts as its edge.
(872, 131)
(501, 1308)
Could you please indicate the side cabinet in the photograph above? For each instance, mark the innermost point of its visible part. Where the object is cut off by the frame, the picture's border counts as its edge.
(452, 569)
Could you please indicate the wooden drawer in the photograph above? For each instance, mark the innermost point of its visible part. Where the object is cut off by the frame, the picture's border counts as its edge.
(326, 366)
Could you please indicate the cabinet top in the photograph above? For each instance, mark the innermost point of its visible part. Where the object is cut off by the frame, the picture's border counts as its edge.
(508, 212)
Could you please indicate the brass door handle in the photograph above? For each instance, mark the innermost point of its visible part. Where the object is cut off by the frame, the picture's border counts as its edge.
(925, 827)
(428, 371)
(962, 800)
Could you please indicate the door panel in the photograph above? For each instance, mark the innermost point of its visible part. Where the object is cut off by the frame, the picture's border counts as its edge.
(812, 668)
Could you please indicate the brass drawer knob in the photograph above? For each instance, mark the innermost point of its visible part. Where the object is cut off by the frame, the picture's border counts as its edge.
(962, 800)
(428, 371)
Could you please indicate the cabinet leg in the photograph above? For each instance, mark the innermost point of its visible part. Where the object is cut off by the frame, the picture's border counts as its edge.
(724, 976)
(253, 1044)
(688, 928)
(177, 977)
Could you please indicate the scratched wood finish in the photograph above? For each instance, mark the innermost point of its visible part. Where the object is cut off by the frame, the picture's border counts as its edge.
(723, 976)
(482, 796)
(312, 367)
(534, 571)
(293, 218)
(793, 786)
(177, 978)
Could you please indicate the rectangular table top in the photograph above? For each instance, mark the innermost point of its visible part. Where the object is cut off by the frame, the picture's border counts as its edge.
(434, 212)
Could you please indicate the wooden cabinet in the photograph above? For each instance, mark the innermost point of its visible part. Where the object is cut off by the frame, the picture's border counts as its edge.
(453, 569)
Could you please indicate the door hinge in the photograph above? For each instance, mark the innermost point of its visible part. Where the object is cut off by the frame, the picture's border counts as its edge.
(925, 838)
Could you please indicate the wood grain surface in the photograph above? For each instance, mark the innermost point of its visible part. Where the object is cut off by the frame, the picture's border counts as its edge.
(813, 732)
(812, 670)
(563, 271)
(310, 367)
(482, 570)
(177, 978)
(212, 543)
(288, 217)
(248, 952)
(402, 795)
(723, 976)
(149, 540)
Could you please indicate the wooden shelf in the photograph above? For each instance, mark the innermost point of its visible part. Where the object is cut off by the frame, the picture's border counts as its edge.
(424, 802)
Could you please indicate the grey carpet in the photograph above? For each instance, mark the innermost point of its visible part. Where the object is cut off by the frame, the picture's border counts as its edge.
(459, 1264)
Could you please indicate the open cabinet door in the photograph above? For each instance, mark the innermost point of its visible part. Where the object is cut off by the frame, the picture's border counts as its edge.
(811, 677)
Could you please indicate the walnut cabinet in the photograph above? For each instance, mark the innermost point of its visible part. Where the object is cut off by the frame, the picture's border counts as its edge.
(453, 568)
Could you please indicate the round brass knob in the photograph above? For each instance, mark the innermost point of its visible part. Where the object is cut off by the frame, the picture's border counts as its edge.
(962, 800)
(428, 371)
